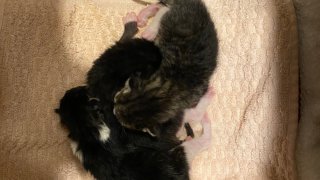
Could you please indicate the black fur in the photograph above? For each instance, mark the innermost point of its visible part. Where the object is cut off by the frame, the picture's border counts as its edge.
(125, 58)
(127, 154)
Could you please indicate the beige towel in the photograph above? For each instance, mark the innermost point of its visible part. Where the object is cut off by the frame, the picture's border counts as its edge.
(47, 47)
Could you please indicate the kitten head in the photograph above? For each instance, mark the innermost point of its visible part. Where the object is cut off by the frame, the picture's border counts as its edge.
(144, 104)
(82, 116)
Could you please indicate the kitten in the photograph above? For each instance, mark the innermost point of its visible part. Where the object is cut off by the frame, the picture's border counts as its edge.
(186, 37)
(108, 151)
(111, 152)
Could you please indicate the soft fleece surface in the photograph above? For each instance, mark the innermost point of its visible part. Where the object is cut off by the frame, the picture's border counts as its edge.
(47, 47)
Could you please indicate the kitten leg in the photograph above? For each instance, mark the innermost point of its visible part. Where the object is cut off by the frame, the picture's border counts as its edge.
(197, 113)
(130, 26)
(151, 31)
(146, 13)
(186, 132)
(195, 146)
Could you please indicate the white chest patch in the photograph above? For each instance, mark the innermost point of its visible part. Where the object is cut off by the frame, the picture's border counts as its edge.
(104, 132)
(76, 152)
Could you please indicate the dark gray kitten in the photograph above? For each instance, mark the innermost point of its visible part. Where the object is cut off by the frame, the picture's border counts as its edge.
(188, 43)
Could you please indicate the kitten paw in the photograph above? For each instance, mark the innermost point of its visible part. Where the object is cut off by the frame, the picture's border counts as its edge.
(146, 13)
(130, 17)
(197, 145)
(150, 34)
(197, 113)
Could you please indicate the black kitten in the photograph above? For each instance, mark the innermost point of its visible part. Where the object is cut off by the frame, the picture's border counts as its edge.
(188, 44)
(109, 151)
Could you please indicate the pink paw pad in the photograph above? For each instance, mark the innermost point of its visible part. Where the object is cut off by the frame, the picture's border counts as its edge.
(146, 13)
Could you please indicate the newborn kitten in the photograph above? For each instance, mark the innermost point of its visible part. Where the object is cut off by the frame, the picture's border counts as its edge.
(109, 151)
(186, 37)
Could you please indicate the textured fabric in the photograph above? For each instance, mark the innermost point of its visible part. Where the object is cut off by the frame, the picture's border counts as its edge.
(46, 47)
(308, 145)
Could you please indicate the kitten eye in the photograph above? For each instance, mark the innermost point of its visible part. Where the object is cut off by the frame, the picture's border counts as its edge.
(133, 83)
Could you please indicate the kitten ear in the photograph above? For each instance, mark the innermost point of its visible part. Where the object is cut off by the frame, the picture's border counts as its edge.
(134, 82)
(130, 83)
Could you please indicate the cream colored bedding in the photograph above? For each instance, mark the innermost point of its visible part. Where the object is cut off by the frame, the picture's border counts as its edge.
(46, 47)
